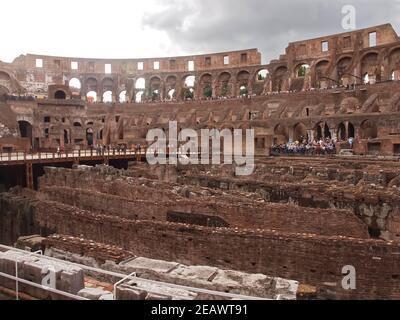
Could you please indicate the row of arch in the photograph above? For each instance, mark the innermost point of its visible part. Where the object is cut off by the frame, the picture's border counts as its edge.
(342, 132)
(304, 75)
(371, 67)
(172, 87)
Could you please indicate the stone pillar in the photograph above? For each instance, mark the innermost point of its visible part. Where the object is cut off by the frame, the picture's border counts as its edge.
(291, 134)
(333, 134)
(162, 90)
(310, 135)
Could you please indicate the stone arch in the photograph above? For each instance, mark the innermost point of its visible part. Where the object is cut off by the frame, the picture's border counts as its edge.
(205, 85)
(91, 84)
(260, 77)
(281, 134)
(189, 82)
(301, 69)
(321, 74)
(171, 87)
(345, 131)
(107, 84)
(394, 64)
(25, 129)
(91, 97)
(140, 83)
(107, 96)
(368, 130)
(224, 84)
(75, 84)
(300, 132)
(322, 131)
(5, 80)
(155, 88)
(370, 70)
(349, 105)
(243, 82)
(343, 66)
(279, 79)
(60, 95)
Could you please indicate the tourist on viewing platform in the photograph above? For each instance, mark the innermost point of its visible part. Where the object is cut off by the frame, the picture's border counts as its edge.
(310, 148)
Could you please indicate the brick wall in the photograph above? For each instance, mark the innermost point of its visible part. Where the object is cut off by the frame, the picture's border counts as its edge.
(307, 258)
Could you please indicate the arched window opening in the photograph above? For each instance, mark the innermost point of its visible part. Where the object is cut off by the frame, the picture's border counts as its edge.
(77, 124)
(91, 97)
(369, 130)
(262, 75)
(140, 83)
(300, 133)
(302, 70)
(25, 129)
(60, 95)
(190, 81)
(107, 97)
(75, 84)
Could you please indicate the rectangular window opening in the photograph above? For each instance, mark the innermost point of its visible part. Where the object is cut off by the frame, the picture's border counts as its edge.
(226, 60)
(372, 39)
(107, 68)
(325, 46)
(191, 65)
(39, 63)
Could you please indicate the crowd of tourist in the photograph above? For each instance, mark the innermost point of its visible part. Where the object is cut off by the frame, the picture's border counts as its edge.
(304, 147)
(8, 97)
(102, 149)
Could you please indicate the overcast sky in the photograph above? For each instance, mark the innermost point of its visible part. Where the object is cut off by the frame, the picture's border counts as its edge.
(158, 28)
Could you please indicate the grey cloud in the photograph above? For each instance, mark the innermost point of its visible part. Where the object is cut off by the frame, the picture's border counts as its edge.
(223, 25)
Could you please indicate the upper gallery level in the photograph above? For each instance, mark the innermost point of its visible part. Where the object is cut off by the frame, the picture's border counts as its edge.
(364, 56)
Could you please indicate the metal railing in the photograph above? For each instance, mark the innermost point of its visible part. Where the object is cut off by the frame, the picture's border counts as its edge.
(84, 154)
(76, 154)
(113, 274)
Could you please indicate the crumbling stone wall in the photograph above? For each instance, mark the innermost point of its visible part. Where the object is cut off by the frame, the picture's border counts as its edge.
(80, 190)
(16, 218)
(317, 260)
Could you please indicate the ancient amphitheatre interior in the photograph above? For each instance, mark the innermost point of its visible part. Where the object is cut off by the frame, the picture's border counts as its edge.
(285, 232)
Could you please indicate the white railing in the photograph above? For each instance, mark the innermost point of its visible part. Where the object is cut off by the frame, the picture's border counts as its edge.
(117, 275)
